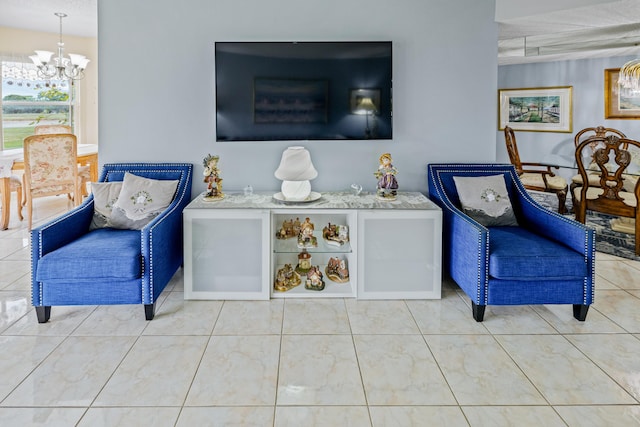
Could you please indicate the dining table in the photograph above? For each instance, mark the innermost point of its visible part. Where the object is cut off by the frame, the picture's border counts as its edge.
(13, 160)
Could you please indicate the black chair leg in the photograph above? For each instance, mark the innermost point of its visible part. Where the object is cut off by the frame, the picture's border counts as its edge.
(478, 311)
(580, 311)
(43, 312)
(149, 311)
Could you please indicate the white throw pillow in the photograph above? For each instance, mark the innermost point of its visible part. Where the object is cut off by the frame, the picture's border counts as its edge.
(105, 195)
(141, 200)
(485, 199)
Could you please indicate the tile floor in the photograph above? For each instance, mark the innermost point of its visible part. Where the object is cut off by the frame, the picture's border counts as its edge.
(320, 362)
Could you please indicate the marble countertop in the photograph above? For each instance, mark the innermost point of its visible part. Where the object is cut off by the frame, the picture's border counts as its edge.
(328, 200)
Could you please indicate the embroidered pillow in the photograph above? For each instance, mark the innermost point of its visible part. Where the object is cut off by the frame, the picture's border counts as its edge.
(485, 199)
(141, 200)
(105, 195)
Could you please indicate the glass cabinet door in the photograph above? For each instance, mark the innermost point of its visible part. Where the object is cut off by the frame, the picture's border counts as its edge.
(226, 254)
(399, 254)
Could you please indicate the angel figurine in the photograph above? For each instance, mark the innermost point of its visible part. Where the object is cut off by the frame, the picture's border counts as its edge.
(212, 178)
(386, 175)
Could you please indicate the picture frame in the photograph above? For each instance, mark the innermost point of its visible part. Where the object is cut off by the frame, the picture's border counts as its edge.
(520, 109)
(616, 104)
(356, 95)
(287, 101)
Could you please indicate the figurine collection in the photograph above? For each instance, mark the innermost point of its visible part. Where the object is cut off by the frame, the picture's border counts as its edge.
(288, 277)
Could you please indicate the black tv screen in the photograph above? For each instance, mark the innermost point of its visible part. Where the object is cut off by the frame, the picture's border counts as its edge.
(269, 91)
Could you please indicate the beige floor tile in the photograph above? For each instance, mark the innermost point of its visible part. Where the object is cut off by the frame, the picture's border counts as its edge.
(319, 370)
(32, 351)
(254, 416)
(622, 307)
(250, 318)
(400, 370)
(156, 372)
(562, 320)
(64, 320)
(508, 416)
(380, 317)
(315, 316)
(73, 374)
(40, 417)
(352, 416)
(450, 416)
(616, 354)
(237, 371)
(133, 417)
(600, 416)
(480, 372)
(449, 315)
(177, 316)
(562, 373)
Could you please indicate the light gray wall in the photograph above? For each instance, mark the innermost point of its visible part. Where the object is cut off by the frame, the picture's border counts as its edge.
(587, 78)
(157, 86)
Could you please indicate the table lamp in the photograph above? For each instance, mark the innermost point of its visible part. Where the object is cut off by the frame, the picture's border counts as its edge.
(295, 171)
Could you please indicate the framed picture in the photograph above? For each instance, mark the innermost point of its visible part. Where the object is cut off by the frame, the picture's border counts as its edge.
(544, 109)
(357, 95)
(290, 100)
(617, 103)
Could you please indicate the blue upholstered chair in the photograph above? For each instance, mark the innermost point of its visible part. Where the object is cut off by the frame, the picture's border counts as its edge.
(74, 265)
(545, 259)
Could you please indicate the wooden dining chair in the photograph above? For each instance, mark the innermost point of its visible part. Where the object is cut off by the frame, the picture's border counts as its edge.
(50, 168)
(15, 185)
(46, 129)
(536, 176)
(83, 170)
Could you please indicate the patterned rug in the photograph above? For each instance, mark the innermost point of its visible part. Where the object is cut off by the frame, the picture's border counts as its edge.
(607, 241)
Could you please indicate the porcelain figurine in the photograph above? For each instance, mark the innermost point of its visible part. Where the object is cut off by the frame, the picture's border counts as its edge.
(289, 229)
(306, 239)
(304, 262)
(314, 280)
(212, 178)
(337, 270)
(336, 235)
(286, 279)
(386, 175)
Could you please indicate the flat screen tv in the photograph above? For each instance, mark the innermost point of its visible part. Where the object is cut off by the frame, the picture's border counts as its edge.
(267, 91)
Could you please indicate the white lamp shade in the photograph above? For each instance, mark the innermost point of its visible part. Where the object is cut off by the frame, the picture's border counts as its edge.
(296, 165)
(44, 55)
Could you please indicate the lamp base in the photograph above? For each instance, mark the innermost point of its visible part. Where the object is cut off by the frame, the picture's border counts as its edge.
(295, 191)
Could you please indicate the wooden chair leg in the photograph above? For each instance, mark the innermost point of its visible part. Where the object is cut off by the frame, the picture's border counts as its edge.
(562, 200)
(43, 312)
(19, 200)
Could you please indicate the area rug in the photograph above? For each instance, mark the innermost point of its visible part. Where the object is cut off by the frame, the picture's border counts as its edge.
(608, 241)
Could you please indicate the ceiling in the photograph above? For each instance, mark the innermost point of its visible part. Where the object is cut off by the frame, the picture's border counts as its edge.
(600, 29)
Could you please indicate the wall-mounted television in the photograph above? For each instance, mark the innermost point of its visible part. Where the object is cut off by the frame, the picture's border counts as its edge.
(267, 91)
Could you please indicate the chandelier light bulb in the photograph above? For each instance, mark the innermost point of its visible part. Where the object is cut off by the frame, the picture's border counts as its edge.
(60, 68)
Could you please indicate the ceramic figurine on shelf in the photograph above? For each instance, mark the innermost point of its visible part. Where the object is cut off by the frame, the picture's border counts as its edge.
(386, 175)
(304, 262)
(289, 229)
(337, 270)
(336, 235)
(212, 178)
(306, 239)
(286, 279)
(314, 280)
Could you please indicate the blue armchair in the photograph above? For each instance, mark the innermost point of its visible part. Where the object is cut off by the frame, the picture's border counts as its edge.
(74, 265)
(545, 259)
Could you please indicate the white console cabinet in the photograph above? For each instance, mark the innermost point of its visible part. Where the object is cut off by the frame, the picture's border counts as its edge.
(232, 250)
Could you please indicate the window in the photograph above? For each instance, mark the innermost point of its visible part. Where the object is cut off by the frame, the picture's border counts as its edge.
(28, 101)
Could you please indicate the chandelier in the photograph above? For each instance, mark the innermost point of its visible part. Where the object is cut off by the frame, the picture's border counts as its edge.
(59, 68)
(629, 78)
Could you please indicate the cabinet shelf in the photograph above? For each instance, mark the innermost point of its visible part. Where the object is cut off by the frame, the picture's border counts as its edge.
(232, 252)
